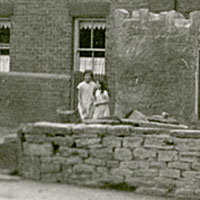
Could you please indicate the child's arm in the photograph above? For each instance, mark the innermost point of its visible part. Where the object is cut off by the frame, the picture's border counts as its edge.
(80, 99)
(105, 101)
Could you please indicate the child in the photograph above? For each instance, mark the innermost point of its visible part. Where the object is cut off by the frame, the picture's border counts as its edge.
(85, 95)
(101, 109)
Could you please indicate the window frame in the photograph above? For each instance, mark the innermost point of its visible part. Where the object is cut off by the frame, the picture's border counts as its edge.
(77, 49)
(5, 46)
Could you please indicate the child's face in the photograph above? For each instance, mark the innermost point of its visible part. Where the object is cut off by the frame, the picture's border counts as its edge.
(87, 78)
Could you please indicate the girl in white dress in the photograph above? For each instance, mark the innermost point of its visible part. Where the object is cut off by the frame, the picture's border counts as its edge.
(101, 103)
(86, 96)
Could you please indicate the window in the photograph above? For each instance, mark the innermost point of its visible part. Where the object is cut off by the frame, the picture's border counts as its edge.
(4, 45)
(89, 45)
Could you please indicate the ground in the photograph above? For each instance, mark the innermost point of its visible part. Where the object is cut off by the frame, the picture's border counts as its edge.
(30, 190)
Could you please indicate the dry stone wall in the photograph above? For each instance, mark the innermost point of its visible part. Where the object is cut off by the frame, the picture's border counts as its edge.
(146, 160)
(156, 62)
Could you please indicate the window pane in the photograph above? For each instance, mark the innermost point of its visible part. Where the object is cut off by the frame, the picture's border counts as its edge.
(4, 51)
(99, 54)
(85, 38)
(85, 54)
(99, 38)
(4, 35)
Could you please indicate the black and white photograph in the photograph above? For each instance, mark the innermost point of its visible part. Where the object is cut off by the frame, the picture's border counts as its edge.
(99, 99)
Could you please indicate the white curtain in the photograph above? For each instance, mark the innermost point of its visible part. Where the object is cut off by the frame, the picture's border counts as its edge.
(4, 63)
(89, 25)
(4, 24)
(98, 65)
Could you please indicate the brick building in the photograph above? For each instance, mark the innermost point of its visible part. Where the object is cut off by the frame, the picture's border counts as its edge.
(50, 42)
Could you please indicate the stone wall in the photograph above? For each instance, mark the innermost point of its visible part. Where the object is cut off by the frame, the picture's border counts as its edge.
(146, 160)
(156, 63)
(31, 97)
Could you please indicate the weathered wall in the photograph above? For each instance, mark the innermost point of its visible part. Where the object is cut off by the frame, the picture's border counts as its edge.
(156, 61)
(30, 97)
(147, 160)
(42, 37)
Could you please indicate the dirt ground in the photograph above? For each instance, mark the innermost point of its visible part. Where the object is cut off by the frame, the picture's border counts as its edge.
(30, 190)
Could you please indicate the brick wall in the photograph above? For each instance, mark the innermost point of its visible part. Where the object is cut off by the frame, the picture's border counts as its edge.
(146, 160)
(41, 37)
(30, 97)
(6, 8)
(156, 62)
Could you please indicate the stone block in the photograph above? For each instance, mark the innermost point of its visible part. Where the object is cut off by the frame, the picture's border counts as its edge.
(120, 16)
(164, 182)
(119, 130)
(112, 141)
(112, 163)
(139, 181)
(132, 142)
(37, 149)
(170, 173)
(189, 156)
(105, 153)
(61, 141)
(67, 170)
(109, 179)
(73, 160)
(65, 151)
(179, 165)
(83, 168)
(130, 164)
(144, 153)
(103, 170)
(167, 156)
(190, 174)
(123, 154)
(51, 178)
(85, 142)
(80, 179)
(124, 172)
(95, 146)
(50, 167)
(52, 129)
(30, 167)
(157, 165)
(195, 166)
(57, 160)
(94, 161)
(159, 142)
(99, 129)
(185, 193)
(38, 139)
(81, 130)
(152, 191)
(145, 173)
(187, 144)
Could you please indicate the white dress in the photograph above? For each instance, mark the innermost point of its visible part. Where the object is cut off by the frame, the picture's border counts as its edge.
(101, 109)
(86, 91)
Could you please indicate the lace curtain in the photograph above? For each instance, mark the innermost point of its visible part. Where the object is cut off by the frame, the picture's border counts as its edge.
(98, 65)
(4, 63)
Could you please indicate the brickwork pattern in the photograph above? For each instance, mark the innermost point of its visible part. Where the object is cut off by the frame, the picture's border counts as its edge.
(31, 97)
(147, 160)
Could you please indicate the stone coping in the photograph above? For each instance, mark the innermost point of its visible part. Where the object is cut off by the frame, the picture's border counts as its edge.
(101, 129)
